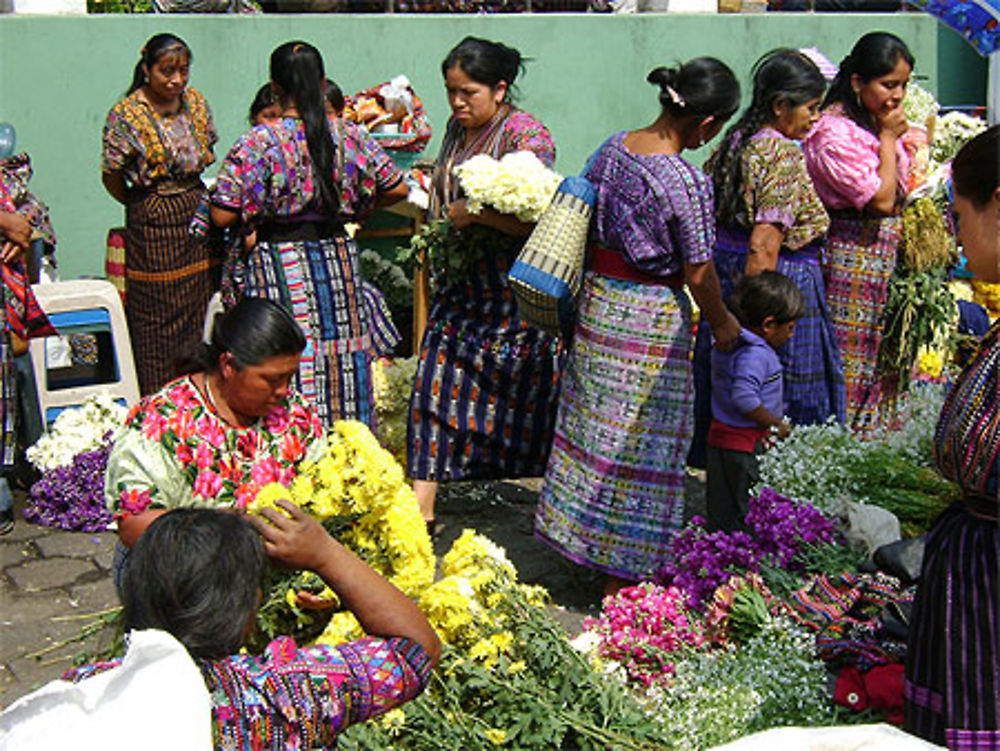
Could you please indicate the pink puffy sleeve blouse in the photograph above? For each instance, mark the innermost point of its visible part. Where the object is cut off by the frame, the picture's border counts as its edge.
(842, 158)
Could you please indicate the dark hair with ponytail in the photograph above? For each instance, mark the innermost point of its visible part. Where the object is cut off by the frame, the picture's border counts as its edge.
(875, 54)
(781, 76)
(975, 171)
(297, 69)
(155, 48)
(252, 331)
(703, 87)
(486, 62)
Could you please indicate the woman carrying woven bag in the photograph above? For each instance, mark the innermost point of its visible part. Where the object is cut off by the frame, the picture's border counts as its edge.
(613, 492)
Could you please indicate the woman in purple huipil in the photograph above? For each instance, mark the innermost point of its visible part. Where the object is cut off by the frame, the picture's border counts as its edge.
(613, 492)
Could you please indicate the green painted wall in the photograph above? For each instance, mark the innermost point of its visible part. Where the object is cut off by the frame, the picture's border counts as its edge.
(59, 77)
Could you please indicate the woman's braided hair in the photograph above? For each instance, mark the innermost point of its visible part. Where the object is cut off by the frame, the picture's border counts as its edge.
(781, 76)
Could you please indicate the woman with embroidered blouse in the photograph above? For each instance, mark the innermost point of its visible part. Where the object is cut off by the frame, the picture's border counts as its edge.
(192, 590)
(296, 182)
(157, 142)
(485, 391)
(859, 168)
(613, 496)
(214, 437)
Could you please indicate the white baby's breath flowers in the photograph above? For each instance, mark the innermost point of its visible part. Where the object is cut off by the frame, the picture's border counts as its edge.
(517, 184)
(76, 430)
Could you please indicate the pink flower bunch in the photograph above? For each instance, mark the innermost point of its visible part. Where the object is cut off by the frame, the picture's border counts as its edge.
(738, 609)
(641, 627)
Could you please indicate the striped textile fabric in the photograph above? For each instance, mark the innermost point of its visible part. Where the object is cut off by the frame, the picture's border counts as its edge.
(170, 278)
(952, 679)
(858, 258)
(319, 281)
(952, 673)
(8, 404)
(487, 385)
(548, 271)
(614, 489)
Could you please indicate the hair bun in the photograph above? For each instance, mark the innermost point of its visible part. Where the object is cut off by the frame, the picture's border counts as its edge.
(663, 77)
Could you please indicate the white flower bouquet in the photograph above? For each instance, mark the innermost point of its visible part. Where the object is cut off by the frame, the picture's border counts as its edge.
(951, 133)
(517, 184)
(75, 431)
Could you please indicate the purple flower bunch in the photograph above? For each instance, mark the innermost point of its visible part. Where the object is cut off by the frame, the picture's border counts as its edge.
(71, 497)
(641, 627)
(778, 528)
(701, 560)
(781, 527)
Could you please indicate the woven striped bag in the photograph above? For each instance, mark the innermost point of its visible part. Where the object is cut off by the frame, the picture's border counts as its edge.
(547, 273)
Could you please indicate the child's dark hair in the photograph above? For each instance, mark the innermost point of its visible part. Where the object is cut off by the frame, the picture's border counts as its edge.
(334, 96)
(264, 98)
(767, 295)
(873, 55)
(156, 46)
(486, 62)
(783, 76)
(703, 87)
(297, 69)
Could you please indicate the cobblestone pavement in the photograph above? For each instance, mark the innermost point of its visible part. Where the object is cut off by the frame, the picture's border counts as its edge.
(51, 581)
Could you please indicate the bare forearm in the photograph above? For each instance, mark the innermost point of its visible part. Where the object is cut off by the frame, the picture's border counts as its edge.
(393, 195)
(131, 526)
(704, 285)
(764, 417)
(114, 183)
(884, 200)
(505, 223)
(763, 249)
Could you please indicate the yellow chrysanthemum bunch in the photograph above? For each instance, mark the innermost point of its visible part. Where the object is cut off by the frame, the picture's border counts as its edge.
(930, 362)
(987, 294)
(392, 382)
(358, 478)
(466, 605)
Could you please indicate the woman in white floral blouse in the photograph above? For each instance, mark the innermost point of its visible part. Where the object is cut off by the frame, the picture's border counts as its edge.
(214, 437)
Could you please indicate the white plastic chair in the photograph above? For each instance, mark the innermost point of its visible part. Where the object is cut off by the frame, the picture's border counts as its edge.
(83, 306)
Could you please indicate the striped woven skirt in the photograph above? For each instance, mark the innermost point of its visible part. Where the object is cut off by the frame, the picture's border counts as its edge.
(614, 489)
(170, 278)
(319, 281)
(858, 258)
(951, 689)
(8, 401)
(487, 384)
(813, 377)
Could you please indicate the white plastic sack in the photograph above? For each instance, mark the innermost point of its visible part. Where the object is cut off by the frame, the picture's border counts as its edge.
(871, 526)
(156, 700)
(879, 737)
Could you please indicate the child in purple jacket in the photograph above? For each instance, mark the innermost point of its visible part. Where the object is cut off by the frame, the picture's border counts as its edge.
(747, 404)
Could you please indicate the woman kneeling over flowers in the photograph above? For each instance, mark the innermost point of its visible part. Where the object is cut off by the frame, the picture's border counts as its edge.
(191, 593)
(214, 437)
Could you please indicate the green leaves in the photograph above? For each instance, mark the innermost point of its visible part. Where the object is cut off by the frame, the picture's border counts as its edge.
(452, 255)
